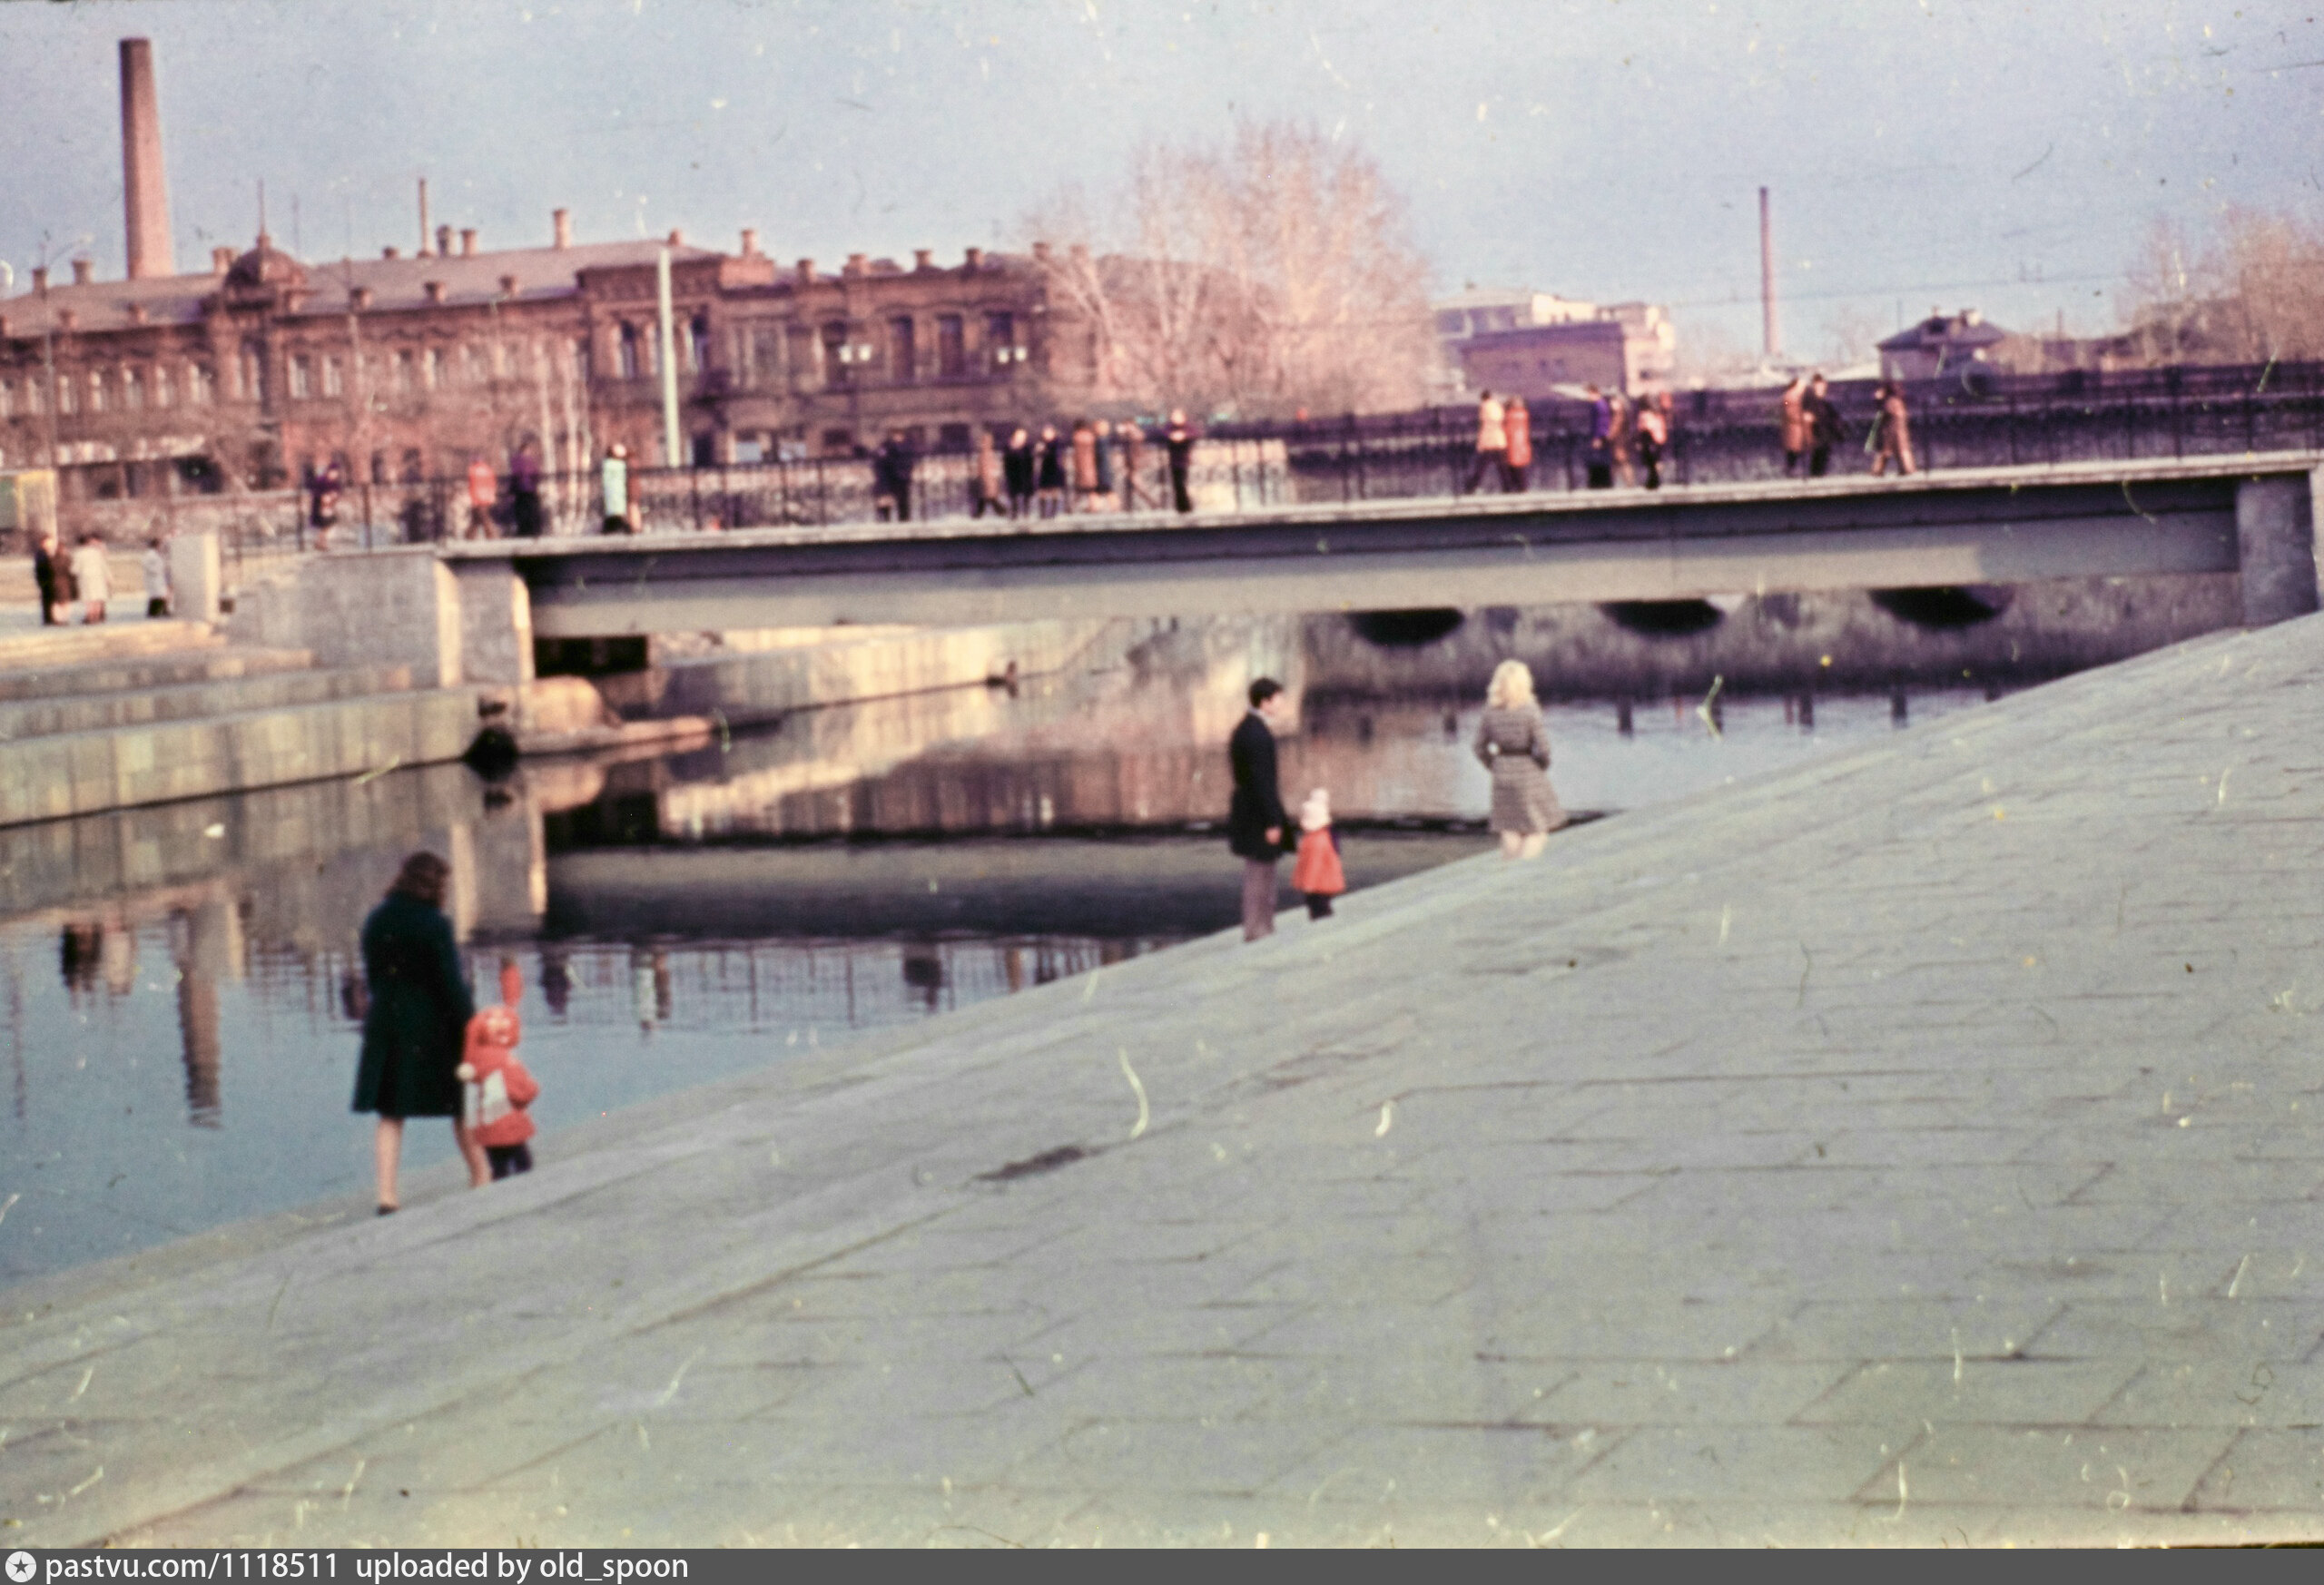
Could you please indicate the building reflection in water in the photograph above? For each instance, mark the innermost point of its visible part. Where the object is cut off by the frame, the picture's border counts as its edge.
(207, 945)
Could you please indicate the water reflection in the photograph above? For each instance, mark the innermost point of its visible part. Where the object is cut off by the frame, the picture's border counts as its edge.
(182, 993)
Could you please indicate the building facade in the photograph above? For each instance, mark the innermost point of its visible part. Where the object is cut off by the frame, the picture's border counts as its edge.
(263, 368)
(1531, 343)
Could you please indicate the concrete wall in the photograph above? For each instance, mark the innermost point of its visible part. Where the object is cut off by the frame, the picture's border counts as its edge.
(388, 607)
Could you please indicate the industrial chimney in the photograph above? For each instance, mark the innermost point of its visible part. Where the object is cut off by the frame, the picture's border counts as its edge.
(145, 191)
(1774, 334)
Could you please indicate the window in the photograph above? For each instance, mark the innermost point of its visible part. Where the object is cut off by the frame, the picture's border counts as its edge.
(837, 365)
(251, 371)
(633, 356)
(951, 346)
(378, 467)
(406, 373)
(201, 384)
(334, 377)
(66, 404)
(162, 395)
(581, 364)
(7, 400)
(132, 391)
(302, 377)
(432, 367)
(904, 352)
(698, 343)
(1001, 339)
(34, 403)
(98, 392)
(839, 441)
(749, 448)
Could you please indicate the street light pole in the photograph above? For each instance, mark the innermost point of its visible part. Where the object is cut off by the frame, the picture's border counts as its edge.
(669, 362)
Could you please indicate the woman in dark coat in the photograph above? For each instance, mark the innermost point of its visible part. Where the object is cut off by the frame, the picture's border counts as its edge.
(418, 1023)
(1514, 745)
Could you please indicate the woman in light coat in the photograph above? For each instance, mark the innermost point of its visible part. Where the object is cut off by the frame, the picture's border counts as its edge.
(1514, 745)
(92, 574)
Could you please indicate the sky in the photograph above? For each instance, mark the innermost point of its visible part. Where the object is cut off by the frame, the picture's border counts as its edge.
(1921, 153)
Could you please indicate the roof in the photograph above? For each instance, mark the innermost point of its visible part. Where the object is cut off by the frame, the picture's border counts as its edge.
(470, 278)
(1966, 328)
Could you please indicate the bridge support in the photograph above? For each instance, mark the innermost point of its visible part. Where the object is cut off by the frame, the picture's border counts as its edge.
(2275, 539)
(496, 624)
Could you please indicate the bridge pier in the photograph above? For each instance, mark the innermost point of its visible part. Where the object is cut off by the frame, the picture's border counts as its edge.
(2275, 540)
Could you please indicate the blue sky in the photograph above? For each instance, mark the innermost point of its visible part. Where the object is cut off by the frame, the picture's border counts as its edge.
(2008, 155)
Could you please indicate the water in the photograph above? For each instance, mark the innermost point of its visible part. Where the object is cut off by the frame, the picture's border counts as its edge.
(177, 986)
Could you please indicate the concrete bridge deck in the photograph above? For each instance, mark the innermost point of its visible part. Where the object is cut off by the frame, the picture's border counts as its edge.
(2008, 525)
(1919, 1146)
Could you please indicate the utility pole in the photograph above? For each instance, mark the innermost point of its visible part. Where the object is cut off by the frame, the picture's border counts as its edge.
(1773, 334)
(669, 362)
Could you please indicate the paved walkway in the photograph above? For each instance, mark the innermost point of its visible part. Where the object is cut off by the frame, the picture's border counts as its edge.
(1921, 1147)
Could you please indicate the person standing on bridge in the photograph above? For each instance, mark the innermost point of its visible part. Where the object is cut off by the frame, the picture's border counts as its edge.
(1130, 435)
(1892, 432)
(1517, 458)
(1085, 467)
(1255, 820)
(1179, 440)
(1019, 467)
(613, 480)
(984, 477)
(1791, 422)
(1513, 744)
(48, 578)
(1601, 454)
(1653, 435)
(484, 492)
(1493, 442)
(1825, 428)
(417, 1025)
(525, 490)
(92, 576)
(1052, 471)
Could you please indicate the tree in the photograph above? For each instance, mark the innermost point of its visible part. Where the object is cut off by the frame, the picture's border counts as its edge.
(2254, 293)
(1272, 274)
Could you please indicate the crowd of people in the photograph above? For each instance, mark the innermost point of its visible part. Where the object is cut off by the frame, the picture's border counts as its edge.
(83, 577)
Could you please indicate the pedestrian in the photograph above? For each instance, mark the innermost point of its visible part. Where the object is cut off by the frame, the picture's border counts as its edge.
(499, 1088)
(92, 578)
(1131, 435)
(1653, 435)
(1179, 440)
(1601, 454)
(1102, 449)
(1493, 442)
(1892, 432)
(1255, 816)
(1791, 422)
(323, 502)
(1517, 456)
(525, 490)
(156, 568)
(484, 491)
(1317, 874)
(891, 469)
(1825, 427)
(1083, 453)
(1052, 455)
(1621, 438)
(415, 1028)
(48, 578)
(1020, 468)
(1514, 745)
(613, 479)
(985, 492)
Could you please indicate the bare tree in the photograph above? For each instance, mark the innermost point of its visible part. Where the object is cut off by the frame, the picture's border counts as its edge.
(1272, 274)
(2254, 292)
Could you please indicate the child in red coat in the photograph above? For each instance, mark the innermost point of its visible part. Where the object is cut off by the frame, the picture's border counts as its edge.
(1317, 871)
(500, 1090)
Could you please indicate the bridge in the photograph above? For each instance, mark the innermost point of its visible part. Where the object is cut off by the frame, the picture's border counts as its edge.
(2252, 515)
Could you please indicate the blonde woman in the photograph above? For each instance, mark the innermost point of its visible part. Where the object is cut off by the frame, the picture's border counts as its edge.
(1514, 745)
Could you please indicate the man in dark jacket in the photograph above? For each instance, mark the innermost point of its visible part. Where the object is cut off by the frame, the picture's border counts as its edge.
(46, 565)
(892, 466)
(1180, 440)
(1255, 821)
(1825, 429)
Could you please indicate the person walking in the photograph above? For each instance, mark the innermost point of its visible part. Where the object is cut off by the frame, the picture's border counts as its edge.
(1316, 873)
(1892, 433)
(985, 494)
(1825, 427)
(1130, 435)
(891, 470)
(1791, 422)
(1085, 467)
(1052, 471)
(156, 566)
(484, 492)
(1517, 456)
(416, 1030)
(1601, 454)
(48, 578)
(525, 490)
(1255, 821)
(1493, 442)
(1102, 455)
(1514, 745)
(92, 578)
(1019, 468)
(1179, 440)
(1621, 438)
(1653, 435)
(322, 501)
(613, 484)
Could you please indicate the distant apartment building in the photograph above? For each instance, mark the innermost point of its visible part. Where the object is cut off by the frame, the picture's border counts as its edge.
(1532, 343)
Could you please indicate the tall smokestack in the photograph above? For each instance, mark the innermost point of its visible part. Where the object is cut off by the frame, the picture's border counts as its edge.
(423, 219)
(145, 194)
(1773, 332)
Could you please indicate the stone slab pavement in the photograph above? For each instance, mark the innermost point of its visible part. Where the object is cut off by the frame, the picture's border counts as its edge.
(1919, 1146)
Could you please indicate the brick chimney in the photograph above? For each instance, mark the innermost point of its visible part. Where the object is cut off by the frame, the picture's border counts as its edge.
(390, 253)
(67, 317)
(677, 238)
(443, 241)
(750, 243)
(40, 278)
(975, 259)
(84, 271)
(1040, 253)
(468, 241)
(507, 285)
(220, 260)
(137, 313)
(923, 258)
(360, 297)
(434, 292)
(806, 273)
(857, 263)
(561, 220)
(145, 194)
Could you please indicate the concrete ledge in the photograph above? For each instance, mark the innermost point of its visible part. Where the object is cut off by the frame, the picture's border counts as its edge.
(114, 676)
(227, 696)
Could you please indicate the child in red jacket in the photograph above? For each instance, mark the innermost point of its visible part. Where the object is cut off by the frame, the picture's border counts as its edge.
(500, 1090)
(1317, 871)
